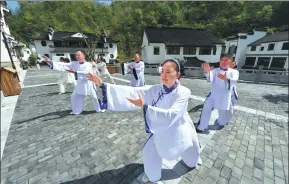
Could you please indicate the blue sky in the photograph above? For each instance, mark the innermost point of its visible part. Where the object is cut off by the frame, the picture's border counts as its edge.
(14, 4)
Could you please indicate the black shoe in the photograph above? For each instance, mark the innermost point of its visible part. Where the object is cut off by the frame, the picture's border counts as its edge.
(199, 131)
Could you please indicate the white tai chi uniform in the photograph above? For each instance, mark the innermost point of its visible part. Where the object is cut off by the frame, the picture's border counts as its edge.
(64, 79)
(219, 98)
(139, 67)
(172, 133)
(94, 68)
(101, 66)
(83, 87)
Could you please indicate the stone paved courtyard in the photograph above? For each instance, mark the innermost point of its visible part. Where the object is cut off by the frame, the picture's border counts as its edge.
(47, 145)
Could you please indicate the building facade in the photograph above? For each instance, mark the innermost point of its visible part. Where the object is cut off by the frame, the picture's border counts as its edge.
(183, 43)
(271, 52)
(237, 45)
(65, 44)
(6, 37)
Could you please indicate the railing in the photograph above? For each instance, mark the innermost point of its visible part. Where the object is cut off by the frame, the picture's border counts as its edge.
(245, 74)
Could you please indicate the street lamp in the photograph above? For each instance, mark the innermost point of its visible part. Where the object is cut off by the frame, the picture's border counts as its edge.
(103, 39)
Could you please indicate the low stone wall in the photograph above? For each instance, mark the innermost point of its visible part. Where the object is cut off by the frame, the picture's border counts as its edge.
(256, 76)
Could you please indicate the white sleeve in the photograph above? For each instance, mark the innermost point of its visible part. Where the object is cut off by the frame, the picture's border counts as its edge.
(210, 76)
(60, 66)
(115, 96)
(159, 119)
(233, 75)
(140, 68)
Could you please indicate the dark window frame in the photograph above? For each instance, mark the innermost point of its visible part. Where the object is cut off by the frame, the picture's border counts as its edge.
(156, 52)
(251, 60)
(111, 56)
(175, 50)
(285, 46)
(270, 48)
(189, 50)
(253, 48)
(267, 64)
(274, 62)
(202, 49)
(110, 45)
(43, 43)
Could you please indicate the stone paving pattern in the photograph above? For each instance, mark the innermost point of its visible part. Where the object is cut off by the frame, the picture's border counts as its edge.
(47, 145)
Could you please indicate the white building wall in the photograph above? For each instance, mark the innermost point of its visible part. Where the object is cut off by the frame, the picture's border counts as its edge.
(4, 52)
(41, 50)
(145, 48)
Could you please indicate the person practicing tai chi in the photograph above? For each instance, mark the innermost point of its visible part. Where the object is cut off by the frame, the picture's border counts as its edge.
(65, 78)
(83, 87)
(172, 133)
(101, 66)
(137, 69)
(219, 97)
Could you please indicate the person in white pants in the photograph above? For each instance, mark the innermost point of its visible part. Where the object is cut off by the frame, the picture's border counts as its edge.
(101, 66)
(83, 87)
(66, 78)
(170, 128)
(220, 94)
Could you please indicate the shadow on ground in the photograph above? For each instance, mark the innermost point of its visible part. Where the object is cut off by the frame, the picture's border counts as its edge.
(128, 174)
(276, 98)
(58, 114)
(196, 108)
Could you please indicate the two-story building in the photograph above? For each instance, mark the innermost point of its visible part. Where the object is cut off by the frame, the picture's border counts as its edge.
(7, 41)
(270, 51)
(186, 44)
(64, 44)
(237, 45)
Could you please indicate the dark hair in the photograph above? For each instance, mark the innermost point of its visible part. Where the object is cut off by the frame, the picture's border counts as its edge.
(66, 60)
(227, 56)
(179, 66)
(82, 51)
(62, 59)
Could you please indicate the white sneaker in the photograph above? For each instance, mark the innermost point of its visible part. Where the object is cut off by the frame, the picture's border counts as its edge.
(73, 113)
(145, 179)
(103, 110)
(200, 162)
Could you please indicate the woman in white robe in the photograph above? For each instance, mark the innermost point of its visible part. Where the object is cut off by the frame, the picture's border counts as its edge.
(101, 66)
(66, 78)
(172, 133)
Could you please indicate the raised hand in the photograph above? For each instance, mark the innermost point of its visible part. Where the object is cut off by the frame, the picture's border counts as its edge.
(138, 102)
(222, 76)
(46, 59)
(95, 79)
(70, 70)
(206, 67)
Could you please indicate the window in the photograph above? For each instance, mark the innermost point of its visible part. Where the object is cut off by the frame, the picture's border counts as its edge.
(261, 48)
(111, 56)
(285, 46)
(250, 61)
(46, 55)
(156, 50)
(263, 61)
(253, 48)
(271, 46)
(59, 54)
(110, 45)
(43, 43)
(58, 44)
(173, 50)
(100, 45)
(72, 57)
(214, 50)
(205, 51)
(28, 52)
(223, 49)
(278, 62)
(189, 50)
(233, 49)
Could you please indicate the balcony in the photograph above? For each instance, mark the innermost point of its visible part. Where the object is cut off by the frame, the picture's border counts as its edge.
(74, 49)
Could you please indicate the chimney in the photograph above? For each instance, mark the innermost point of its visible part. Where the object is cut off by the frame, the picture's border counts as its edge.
(50, 32)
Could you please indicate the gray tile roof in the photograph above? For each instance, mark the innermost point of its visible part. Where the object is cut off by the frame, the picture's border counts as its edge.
(276, 37)
(182, 37)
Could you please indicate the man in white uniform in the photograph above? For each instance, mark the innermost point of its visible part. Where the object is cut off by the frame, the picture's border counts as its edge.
(101, 66)
(139, 67)
(220, 94)
(83, 87)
